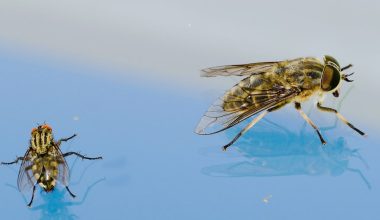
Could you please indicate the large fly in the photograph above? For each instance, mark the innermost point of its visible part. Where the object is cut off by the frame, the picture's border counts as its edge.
(267, 87)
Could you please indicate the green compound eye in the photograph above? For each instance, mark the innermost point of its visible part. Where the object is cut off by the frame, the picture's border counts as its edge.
(331, 60)
(330, 78)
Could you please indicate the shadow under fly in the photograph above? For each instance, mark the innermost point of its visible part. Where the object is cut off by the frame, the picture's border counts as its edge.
(291, 153)
(43, 163)
(56, 207)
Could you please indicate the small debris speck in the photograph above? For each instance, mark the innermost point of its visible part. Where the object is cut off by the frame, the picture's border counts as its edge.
(266, 199)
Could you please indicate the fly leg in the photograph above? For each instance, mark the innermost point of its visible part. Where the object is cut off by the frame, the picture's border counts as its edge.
(71, 194)
(15, 161)
(297, 105)
(65, 139)
(249, 126)
(34, 186)
(31, 200)
(81, 156)
(343, 119)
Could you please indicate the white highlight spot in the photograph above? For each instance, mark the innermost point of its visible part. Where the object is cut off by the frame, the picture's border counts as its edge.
(266, 199)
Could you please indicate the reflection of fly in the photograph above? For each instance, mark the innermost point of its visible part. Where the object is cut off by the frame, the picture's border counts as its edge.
(268, 86)
(44, 163)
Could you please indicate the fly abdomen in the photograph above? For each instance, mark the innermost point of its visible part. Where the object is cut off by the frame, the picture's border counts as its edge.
(45, 171)
(47, 184)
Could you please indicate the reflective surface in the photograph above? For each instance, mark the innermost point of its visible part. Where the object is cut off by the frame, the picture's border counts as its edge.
(124, 76)
(155, 167)
(271, 150)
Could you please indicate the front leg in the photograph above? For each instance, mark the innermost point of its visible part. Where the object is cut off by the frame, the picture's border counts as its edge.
(65, 139)
(15, 161)
(343, 119)
(81, 156)
(297, 105)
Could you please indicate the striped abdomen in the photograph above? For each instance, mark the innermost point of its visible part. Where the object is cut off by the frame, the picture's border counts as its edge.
(45, 171)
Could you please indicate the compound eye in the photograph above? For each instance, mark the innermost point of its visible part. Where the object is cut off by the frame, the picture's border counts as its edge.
(330, 78)
(33, 130)
(47, 127)
(329, 59)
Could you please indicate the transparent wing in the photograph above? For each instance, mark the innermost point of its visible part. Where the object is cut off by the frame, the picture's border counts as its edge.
(238, 70)
(252, 95)
(26, 180)
(63, 169)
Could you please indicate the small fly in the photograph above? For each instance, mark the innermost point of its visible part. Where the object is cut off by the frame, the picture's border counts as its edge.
(43, 163)
(267, 87)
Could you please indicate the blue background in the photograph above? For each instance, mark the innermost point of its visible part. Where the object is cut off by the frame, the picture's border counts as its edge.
(155, 167)
(124, 76)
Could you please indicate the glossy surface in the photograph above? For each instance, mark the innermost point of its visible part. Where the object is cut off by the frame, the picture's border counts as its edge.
(124, 76)
(155, 167)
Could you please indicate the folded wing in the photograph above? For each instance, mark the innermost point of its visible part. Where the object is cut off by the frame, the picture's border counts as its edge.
(26, 180)
(238, 70)
(249, 97)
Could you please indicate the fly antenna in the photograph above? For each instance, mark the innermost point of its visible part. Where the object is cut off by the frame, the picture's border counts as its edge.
(345, 77)
(346, 67)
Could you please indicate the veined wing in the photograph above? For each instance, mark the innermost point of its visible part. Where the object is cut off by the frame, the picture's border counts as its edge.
(252, 95)
(26, 180)
(238, 70)
(63, 169)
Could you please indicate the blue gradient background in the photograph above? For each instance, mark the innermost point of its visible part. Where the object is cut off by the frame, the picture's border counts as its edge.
(140, 114)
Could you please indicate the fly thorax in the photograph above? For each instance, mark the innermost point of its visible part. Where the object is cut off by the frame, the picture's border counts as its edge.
(41, 139)
(280, 70)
